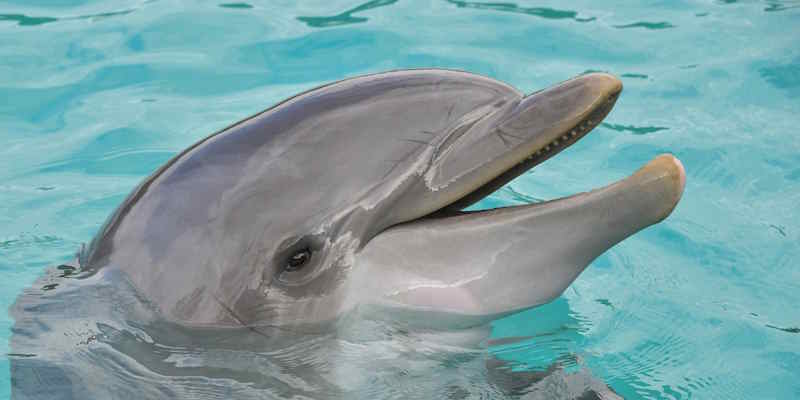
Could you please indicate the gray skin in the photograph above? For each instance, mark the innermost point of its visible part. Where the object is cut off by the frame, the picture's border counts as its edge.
(367, 175)
(189, 290)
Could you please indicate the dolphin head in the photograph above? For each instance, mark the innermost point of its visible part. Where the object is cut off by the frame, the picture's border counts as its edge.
(350, 194)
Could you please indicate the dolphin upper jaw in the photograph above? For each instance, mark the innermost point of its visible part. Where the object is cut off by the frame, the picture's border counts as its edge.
(494, 144)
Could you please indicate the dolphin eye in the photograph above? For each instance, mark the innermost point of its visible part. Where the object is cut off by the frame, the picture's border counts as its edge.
(297, 260)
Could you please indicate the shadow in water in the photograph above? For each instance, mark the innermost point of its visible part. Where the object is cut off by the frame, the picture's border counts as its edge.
(345, 17)
(783, 76)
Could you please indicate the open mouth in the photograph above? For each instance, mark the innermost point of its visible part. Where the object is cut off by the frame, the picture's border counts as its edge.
(489, 263)
(553, 143)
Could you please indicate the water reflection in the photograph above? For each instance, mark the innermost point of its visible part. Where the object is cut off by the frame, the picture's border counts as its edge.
(546, 354)
(96, 338)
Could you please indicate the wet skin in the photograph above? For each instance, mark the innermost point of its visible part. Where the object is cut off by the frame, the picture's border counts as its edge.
(319, 204)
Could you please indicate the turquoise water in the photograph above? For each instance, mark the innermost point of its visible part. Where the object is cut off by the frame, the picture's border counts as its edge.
(94, 95)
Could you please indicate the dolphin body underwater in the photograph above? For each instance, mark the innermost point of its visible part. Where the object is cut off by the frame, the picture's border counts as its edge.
(346, 198)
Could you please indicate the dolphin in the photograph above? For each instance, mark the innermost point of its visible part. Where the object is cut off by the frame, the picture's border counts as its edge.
(351, 196)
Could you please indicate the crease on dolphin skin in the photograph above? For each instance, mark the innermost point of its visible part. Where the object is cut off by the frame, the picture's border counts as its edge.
(483, 115)
(232, 314)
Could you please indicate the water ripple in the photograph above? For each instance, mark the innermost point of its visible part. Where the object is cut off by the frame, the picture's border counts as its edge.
(242, 6)
(345, 17)
(787, 330)
(636, 130)
(773, 5)
(646, 25)
(636, 76)
(24, 20)
(543, 12)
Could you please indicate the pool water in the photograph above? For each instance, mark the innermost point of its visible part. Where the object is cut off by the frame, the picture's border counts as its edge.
(94, 95)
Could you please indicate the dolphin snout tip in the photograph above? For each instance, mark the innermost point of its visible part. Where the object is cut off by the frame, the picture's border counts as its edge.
(604, 83)
(669, 175)
(680, 173)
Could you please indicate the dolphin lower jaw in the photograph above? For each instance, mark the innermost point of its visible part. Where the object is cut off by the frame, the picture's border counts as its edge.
(494, 262)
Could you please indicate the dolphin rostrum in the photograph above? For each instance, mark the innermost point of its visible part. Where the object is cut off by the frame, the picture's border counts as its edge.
(346, 197)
